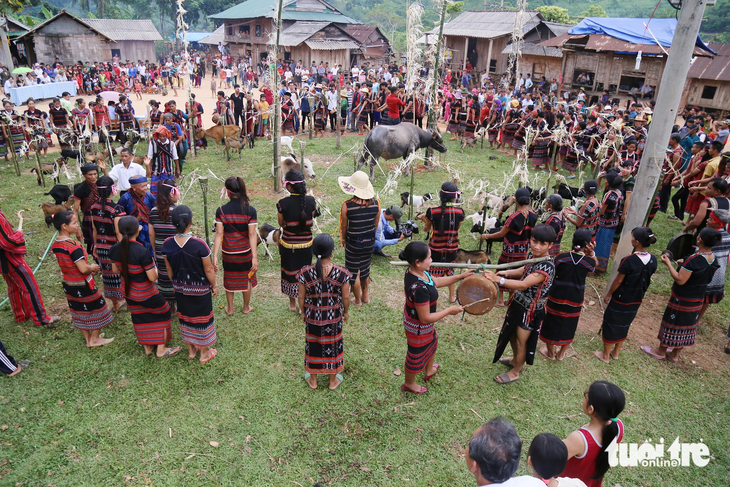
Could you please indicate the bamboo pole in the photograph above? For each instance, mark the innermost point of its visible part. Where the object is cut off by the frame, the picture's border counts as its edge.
(9, 138)
(432, 116)
(38, 165)
(276, 137)
(310, 117)
(451, 265)
(338, 114)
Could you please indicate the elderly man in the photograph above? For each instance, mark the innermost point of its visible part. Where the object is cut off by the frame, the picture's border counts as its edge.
(385, 234)
(493, 456)
(121, 173)
(162, 161)
(138, 202)
(85, 195)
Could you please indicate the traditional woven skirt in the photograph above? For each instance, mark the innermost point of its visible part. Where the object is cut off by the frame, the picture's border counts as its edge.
(604, 240)
(18, 137)
(292, 261)
(679, 323)
(616, 321)
(570, 163)
(453, 126)
(357, 258)
(541, 153)
(518, 143)
(470, 129)
(492, 134)
(420, 351)
(41, 137)
(112, 280)
(560, 322)
(563, 149)
(87, 230)
(236, 268)
(197, 323)
(288, 125)
(714, 297)
(362, 119)
(88, 308)
(508, 133)
(324, 351)
(462, 123)
(151, 320)
(164, 284)
(439, 256)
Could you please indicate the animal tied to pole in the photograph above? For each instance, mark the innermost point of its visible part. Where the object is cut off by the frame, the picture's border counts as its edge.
(397, 141)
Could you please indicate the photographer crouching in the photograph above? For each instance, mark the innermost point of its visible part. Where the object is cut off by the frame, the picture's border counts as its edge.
(386, 235)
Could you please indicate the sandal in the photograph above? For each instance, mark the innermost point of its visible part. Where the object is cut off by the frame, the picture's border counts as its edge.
(647, 350)
(170, 352)
(429, 377)
(505, 379)
(307, 375)
(405, 388)
(506, 362)
(339, 376)
(213, 353)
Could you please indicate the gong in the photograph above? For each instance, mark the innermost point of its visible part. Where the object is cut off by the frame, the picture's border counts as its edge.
(681, 246)
(479, 290)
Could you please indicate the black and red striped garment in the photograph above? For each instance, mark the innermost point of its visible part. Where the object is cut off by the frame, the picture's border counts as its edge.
(422, 337)
(58, 116)
(444, 242)
(557, 221)
(102, 217)
(517, 240)
(295, 244)
(237, 255)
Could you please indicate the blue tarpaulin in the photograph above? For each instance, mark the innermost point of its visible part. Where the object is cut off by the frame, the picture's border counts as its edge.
(632, 30)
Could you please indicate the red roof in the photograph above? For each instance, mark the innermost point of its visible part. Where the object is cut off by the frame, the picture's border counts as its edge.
(600, 42)
(717, 68)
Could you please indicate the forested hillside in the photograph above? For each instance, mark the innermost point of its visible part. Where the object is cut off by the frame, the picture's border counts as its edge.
(389, 15)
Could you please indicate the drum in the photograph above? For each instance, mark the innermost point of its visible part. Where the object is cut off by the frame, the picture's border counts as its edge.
(681, 246)
(479, 290)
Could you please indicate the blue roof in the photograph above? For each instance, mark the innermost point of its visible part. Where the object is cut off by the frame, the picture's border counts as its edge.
(252, 9)
(195, 36)
(659, 31)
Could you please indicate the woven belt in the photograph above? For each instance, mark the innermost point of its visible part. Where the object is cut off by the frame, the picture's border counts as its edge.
(296, 246)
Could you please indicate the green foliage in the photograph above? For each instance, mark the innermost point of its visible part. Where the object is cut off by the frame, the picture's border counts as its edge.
(594, 11)
(13, 6)
(455, 8)
(555, 14)
(718, 17)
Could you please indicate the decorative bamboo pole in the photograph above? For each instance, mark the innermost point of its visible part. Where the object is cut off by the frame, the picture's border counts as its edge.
(432, 115)
(203, 180)
(9, 138)
(451, 265)
(338, 114)
(38, 164)
(275, 128)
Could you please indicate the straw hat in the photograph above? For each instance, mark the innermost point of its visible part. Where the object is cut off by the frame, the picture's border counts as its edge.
(357, 185)
(364, 89)
(343, 92)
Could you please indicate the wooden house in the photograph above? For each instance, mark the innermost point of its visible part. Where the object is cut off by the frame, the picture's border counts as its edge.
(311, 30)
(539, 61)
(134, 40)
(600, 62)
(708, 82)
(481, 37)
(374, 46)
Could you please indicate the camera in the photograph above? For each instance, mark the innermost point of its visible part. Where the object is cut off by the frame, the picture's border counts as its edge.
(409, 228)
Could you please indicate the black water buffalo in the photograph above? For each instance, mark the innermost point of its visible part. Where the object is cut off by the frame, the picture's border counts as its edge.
(394, 141)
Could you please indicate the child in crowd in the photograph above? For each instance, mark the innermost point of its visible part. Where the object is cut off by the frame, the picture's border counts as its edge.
(547, 456)
(587, 455)
(264, 107)
(526, 307)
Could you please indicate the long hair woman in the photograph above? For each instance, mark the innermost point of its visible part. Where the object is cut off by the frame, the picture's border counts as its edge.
(553, 216)
(359, 218)
(150, 311)
(680, 320)
(161, 228)
(89, 312)
(587, 215)
(296, 214)
(445, 222)
(105, 215)
(608, 219)
(188, 264)
(420, 315)
(324, 286)
(235, 230)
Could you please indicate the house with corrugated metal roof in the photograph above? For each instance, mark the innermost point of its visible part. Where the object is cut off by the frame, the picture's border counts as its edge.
(708, 82)
(538, 60)
(69, 39)
(479, 37)
(374, 45)
(312, 30)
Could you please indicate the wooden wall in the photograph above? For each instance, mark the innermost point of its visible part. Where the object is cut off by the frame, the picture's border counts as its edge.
(135, 50)
(456, 44)
(539, 66)
(721, 100)
(609, 67)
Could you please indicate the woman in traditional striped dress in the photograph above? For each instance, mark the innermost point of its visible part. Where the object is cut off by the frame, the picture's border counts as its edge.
(105, 215)
(35, 121)
(161, 228)
(464, 111)
(188, 264)
(541, 153)
(495, 123)
(454, 110)
(680, 320)
(626, 293)
(296, 214)
(445, 222)
(565, 300)
(516, 233)
(420, 315)
(472, 119)
(574, 150)
(89, 312)
(150, 311)
(13, 127)
(608, 219)
(235, 230)
(518, 142)
(511, 124)
(362, 110)
(320, 111)
(125, 116)
(718, 219)
(587, 215)
(324, 298)
(553, 217)
(359, 218)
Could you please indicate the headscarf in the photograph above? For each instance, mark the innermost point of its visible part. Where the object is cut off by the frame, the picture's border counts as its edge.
(162, 130)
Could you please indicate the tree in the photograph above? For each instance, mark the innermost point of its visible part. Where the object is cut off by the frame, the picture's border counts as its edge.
(555, 14)
(9, 7)
(594, 11)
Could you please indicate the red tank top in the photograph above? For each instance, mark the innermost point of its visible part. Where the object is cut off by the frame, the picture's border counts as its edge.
(584, 466)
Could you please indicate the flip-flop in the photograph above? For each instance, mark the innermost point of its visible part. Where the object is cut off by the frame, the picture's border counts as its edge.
(170, 352)
(506, 362)
(339, 376)
(429, 377)
(213, 353)
(307, 375)
(404, 388)
(505, 379)
(670, 359)
(647, 350)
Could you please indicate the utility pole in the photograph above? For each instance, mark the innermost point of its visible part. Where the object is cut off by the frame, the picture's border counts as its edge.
(670, 92)
(276, 125)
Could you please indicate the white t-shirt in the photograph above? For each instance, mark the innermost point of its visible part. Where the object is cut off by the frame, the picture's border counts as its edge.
(355, 71)
(521, 481)
(121, 174)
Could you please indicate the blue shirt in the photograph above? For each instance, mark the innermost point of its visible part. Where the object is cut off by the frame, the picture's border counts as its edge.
(385, 234)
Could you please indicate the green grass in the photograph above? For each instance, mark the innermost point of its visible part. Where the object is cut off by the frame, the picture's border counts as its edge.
(113, 417)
